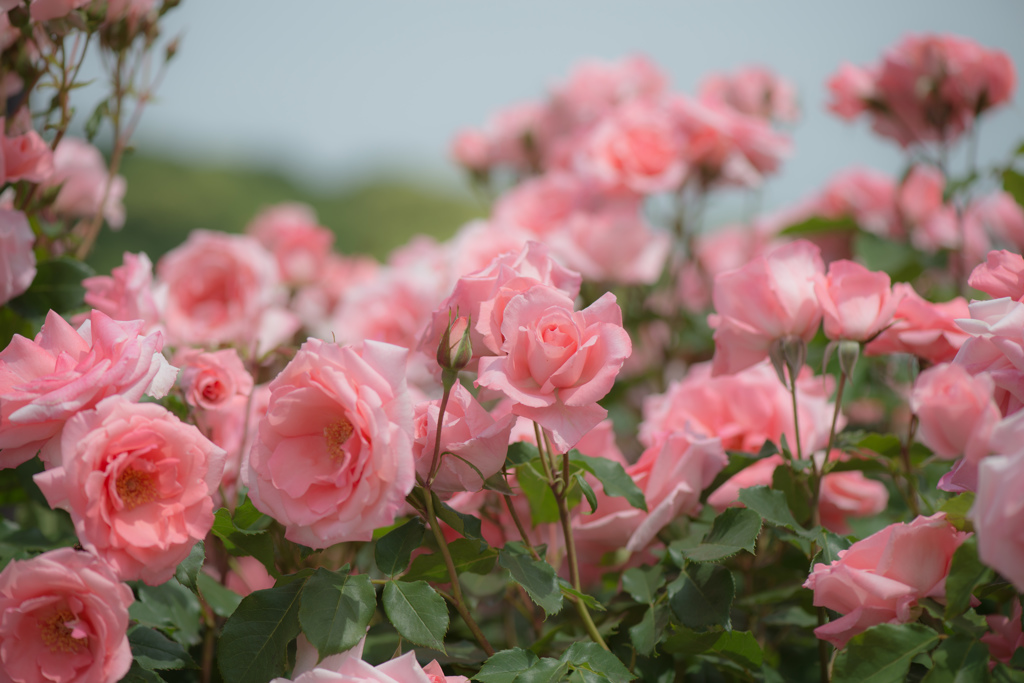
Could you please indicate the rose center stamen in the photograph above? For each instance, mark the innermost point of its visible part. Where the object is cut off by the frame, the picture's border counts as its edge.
(57, 636)
(135, 488)
(336, 434)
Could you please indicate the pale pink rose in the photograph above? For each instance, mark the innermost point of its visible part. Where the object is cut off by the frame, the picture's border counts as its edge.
(334, 458)
(44, 10)
(999, 216)
(851, 87)
(769, 299)
(933, 223)
(473, 444)
(234, 428)
(26, 157)
(300, 244)
(348, 667)
(127, 293)
(725, 248)
(996, 346)
(63, 618)
(754, 91)
(245, 574)
(880, 579)
(17, 259)
(132, 10)
(477, 243)
(998, 514)
(759, 473)
(317, 302)
(868, 196)
(950, 405)
(1002, 275)
(211, 379)
(1005, 635)
(137, 482)
(483, 295)
(511, 138)
(922, 328)
(559, 362)
(471, 148)
(594, 88)
(45, 382)
(218, 288)
(856, 303)
(81, 173)
(544, 204)
(635, 147)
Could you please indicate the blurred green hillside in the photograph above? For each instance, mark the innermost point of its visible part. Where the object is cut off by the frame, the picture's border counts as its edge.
(167, 199)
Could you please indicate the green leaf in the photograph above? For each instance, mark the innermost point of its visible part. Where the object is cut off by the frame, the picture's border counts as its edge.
(590, 600)
(685, 641)
(520, 666)
(959, 659)
(784, 481)
(588, 492)
(956, 510)
(223, 601)
(169, 607)
(741, 647)
(772, 506)
(888, 445)
(245, 540)
(253, 646)
(336, 609)
(466, 556)
(467, 525)
(882, 654)
(137, 674)
(538, 578)
(613, 478)
(734, 530)
(188, 570)
(393, 551)
(57, 286)
(738, 461)
(702, 596)
(830, 545)
(818, 226)
(966, 572)
(154, 651)
(590, 656)
(644, 635)
(643, 582)
(417, 612)
(1013, 182)
(534, 484)
(521, 453)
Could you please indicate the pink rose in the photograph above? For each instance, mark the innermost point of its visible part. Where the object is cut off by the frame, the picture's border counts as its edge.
(17, 259)
(473, 444)
(127, 293)
(245, 575)
(44, 10)
(292, 233)
(211, 379)
(996, 346)
(543, 204)
(867, 196)
(45, 382)
(951, 405)
(234, 427)
(218, 288)
(1002, 275)
(471, 149)
(1005, 634)
(334, 458)
(559, 362)
(316, 302)
(851, 88)
(26, 157)
(998, 515)
(856, 303)
(349, 667)
(880, 579)
(754, 91)
(81, 173)
(137, 482)
(769, 299)
(63, 617)
(922, 328)
(594, 88)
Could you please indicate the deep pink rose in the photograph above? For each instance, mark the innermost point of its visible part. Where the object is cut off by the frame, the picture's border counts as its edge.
(922, 328)
(127, 293)
(44, 382)
(138, 483)
(300, 244)
(754, 91)
(218, 288)
(473, 443)
(211, 379)
(26, 157)
(17, 259)
(63, 619)
(998, 515)
(879, 580)
(951, 405)
(334, 458)
(769, 299)
(559, 362)
(81, 173)
(996, 346)
(1002, 275)
(856, 303)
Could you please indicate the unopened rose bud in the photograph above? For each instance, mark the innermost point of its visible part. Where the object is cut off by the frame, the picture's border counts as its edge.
(455, 350)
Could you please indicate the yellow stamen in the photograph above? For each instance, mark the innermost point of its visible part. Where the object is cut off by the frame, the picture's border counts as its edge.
(57, 636)
(336, 434)
(136, 488)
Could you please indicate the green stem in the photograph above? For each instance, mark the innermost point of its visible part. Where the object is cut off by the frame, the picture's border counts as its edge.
(796, 417)
(435, 464)
(908, 468)
(522, 529)
(817, 475)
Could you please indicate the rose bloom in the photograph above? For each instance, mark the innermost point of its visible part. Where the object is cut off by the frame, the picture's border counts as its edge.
(349, 667)
(473, 443)
(17, 259)
(867, 196)
(44, 382)
(922, 328)
(1005, 634)
(316, 302)
(856, 303)
(996, 346)
(754, 91)
(951, 405)
(292, 233)
(210, 379)
(81, 172)
(218, 288)
(234, 427)
(127, 293)
(542, 205)
(137, 482)
(769, 299)
(63, 619)
(594, 88)
(998, 515)
(26, 157)
(333, 460)
(1002, 275)
(880, 579)
(559, 362)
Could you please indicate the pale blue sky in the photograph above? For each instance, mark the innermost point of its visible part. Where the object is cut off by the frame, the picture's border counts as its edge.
(328, 89)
